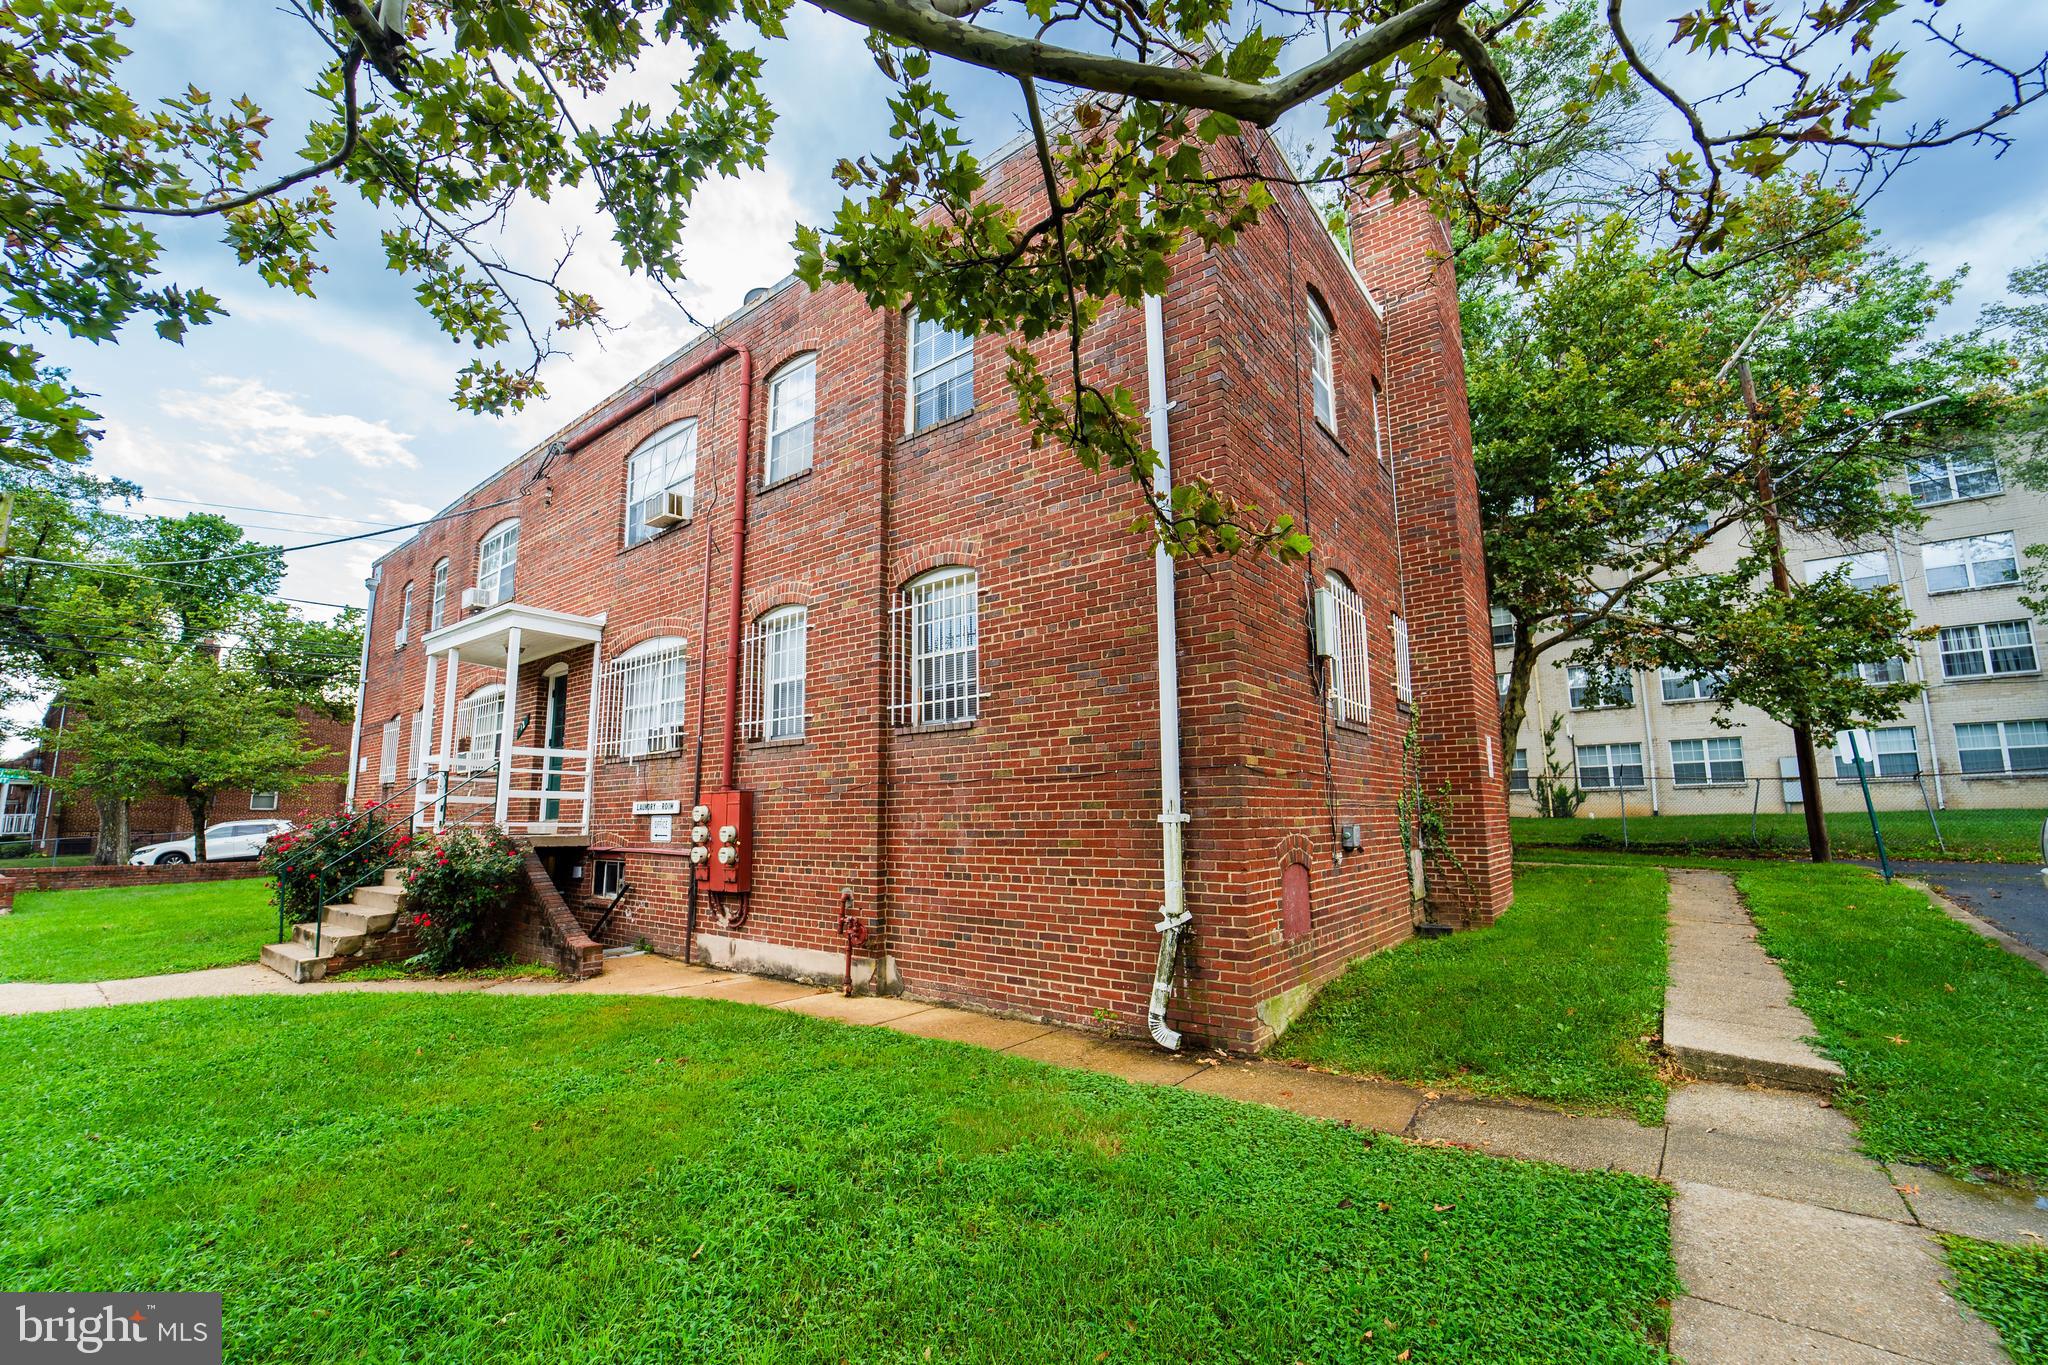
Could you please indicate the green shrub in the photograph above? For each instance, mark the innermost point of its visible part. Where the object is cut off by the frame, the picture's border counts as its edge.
(457, 885)
(322, 859)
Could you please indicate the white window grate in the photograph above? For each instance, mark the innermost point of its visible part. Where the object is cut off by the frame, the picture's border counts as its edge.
(937, 640)
(773, 690)
(792, 418)
(641, 701)
(1404, 667)
(1350, 676)
(478, 724)
(665, 463)
(387, 754)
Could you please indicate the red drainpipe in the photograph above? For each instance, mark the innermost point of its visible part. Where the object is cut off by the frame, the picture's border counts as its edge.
(648, 397)
(729, 763)
(734, 622)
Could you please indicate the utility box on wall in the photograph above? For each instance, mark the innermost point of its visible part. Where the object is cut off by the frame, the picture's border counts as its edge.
(722, 842)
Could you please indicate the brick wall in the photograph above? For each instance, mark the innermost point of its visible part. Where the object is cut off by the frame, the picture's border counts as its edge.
(19, 879)
(1014, 863)
(159, 818)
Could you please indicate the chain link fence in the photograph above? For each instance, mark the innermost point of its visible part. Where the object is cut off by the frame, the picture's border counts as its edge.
(1627, 808)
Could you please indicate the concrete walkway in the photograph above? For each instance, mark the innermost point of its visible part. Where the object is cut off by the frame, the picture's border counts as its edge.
(1794, 1246)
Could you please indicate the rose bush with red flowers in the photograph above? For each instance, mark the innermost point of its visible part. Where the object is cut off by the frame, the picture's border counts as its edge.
(458, 886)
(308, 868)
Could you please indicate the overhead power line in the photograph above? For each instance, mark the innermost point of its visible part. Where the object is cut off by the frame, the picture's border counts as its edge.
(322, 544)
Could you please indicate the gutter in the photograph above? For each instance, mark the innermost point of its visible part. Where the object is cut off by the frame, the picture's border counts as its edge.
(355, 734)
(1173, 912)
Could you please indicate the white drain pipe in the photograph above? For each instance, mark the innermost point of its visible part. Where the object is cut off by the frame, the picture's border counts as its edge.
(1173, 911)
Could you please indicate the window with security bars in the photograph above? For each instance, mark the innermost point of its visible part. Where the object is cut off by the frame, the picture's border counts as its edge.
(773, 696)
(1706, 762)
(1605, 767)
(478, 724)
(1350, 680)
(1968, 473)
(941, 373)
(938, 650)
(2003, 746)
(1404, 665)
(1994, 649)
(665, 463)
(641, 700)
(1898, 754)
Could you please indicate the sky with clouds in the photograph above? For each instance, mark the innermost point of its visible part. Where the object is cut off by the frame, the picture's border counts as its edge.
(328, 417)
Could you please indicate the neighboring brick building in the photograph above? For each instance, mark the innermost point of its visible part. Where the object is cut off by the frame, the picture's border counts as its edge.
(70, 824)
(948, 713)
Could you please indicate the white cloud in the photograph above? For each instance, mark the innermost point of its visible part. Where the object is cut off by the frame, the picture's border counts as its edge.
(258, 421)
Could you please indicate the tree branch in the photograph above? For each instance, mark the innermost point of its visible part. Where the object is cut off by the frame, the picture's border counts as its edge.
(921, 23)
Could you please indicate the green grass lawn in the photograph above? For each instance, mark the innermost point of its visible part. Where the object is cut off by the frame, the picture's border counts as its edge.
(582, 1179)
(1943, 1035)
(1989, 836)
(2007, 1286)
(101, 935)
(69, 860)
(1551, 1003)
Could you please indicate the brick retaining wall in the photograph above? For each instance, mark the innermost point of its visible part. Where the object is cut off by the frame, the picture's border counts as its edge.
(94, 878)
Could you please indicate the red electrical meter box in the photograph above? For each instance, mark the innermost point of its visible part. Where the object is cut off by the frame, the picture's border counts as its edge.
(722, 842)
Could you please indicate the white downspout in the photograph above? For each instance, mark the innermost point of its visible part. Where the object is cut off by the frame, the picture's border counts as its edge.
(1650, 736)
(355, 734)
(1173, 911)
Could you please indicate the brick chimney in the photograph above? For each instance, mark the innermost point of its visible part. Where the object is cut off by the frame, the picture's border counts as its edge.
(1403, 253)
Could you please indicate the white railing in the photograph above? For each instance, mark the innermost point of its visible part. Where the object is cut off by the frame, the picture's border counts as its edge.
(548, 791)
(13, 826)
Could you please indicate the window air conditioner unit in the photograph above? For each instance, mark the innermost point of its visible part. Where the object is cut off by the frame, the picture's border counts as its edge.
(472, 598)
(1326, 632)
(402, 638)
(667, 509)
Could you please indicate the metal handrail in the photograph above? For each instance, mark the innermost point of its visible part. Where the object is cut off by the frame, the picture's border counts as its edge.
(328, 895)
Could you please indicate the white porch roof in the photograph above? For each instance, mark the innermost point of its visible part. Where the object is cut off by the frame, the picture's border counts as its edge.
(485, 637)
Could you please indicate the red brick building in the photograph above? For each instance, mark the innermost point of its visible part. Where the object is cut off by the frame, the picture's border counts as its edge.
(814, 562)
(70, 824)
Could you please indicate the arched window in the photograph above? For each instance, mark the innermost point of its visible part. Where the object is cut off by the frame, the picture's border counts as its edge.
(437, 608)
(479, 728)
(642, 698)
(1350, 680)
(938, 649)
(792, 417)
(497, 556)
(665, 464)
(780, 642)
(1322, 363)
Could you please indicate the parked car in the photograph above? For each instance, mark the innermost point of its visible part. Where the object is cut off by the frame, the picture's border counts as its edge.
(224, 843)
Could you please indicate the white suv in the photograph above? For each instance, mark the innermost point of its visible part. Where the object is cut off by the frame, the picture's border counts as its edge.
(224, 843)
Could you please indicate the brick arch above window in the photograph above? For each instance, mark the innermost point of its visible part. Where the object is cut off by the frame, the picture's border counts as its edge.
(950, 554)
(662, 628)
(783, 592)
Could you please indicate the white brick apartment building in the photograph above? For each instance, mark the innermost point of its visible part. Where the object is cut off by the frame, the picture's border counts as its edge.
(1976, 737)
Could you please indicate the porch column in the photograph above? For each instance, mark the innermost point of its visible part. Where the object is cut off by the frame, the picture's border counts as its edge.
(423, 761)
(446, 753)
(590, 731)
(509, 723)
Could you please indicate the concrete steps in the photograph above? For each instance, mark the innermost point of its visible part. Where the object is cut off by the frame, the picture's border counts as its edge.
(346, 931)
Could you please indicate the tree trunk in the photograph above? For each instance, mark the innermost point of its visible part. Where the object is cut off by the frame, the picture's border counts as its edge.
(199, 806)
(1514, 707)
(111, 848)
